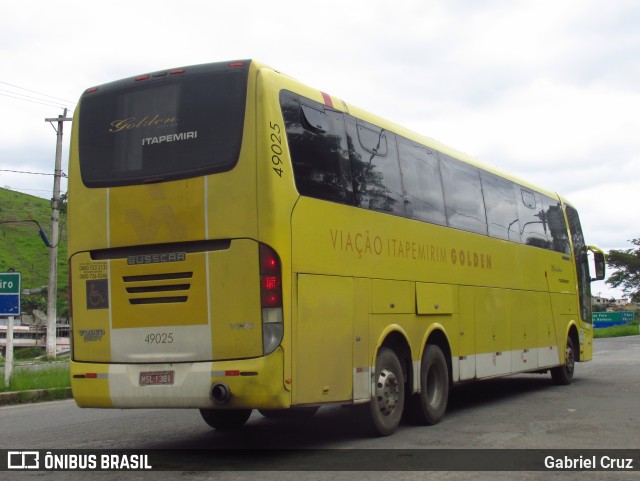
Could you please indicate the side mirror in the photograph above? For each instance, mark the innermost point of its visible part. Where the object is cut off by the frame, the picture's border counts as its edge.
(598, 258)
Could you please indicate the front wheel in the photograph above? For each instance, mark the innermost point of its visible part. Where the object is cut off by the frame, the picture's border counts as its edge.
(563, 375)
(225, 419)
(387, 402)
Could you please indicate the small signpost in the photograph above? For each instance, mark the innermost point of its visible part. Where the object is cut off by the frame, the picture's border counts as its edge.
(10, 288)
(608, 319)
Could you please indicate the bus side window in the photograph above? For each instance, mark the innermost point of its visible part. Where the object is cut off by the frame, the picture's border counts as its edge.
(463, 195)
(533, 226)
(558, 233)
(318, 148)
(424, 199)
(502, 211)
(377, 182)
(582, 263)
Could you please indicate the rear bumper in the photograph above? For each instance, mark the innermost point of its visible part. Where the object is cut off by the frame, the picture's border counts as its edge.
(254, 383)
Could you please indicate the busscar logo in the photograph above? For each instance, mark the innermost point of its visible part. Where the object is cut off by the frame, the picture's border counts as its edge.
(157, 258)
(23, 460)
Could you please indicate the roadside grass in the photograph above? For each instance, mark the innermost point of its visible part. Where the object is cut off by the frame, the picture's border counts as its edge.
(632, 329)
(25, 379)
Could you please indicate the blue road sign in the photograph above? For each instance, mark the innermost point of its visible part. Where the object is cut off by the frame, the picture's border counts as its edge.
(10, 288)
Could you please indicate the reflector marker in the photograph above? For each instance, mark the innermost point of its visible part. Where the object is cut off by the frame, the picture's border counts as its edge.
(232, 373)
(91, 375)
(327, 99)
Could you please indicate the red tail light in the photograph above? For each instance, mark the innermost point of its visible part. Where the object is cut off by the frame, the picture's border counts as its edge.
(270, 278)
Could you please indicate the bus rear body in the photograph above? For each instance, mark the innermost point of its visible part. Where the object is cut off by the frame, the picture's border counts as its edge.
(166, 257)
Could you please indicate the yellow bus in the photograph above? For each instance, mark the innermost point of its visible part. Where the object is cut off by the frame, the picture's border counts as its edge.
(240, 241)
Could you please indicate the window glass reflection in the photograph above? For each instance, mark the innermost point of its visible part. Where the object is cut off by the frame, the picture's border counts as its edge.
(500, 203)
(374, 166)
(463, 195)
(422, 185)
(318, 147)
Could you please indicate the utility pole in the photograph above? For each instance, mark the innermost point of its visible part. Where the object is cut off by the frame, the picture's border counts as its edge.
(52, 291)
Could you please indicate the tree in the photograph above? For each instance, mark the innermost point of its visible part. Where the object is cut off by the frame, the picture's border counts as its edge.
(626, 263)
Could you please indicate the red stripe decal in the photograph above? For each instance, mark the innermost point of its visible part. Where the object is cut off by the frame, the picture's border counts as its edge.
(327, 99)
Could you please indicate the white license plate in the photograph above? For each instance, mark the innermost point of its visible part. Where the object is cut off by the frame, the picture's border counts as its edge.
(156, 377)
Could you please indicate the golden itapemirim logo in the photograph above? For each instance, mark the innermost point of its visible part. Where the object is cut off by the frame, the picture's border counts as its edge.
(130, 123)
(363, 244)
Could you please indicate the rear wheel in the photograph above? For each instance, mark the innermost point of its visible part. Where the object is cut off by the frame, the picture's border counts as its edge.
(225, 419)
(563, 375)
(387, 402)
(429, 406)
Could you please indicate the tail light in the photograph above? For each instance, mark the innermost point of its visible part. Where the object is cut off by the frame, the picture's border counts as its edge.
(271, 299)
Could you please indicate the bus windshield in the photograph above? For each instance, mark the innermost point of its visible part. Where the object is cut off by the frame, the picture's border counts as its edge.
(163, 126)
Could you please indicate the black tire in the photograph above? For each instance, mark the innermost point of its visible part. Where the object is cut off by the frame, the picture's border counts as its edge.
(428, 407)
(563, 375)
(387, 400)
(225, 419)
(291, 413)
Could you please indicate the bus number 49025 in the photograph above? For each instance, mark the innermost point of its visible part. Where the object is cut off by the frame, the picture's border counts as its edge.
(159, 338)
(276, 148)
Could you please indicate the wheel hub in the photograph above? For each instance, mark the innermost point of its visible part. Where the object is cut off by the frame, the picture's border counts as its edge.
(387, 391)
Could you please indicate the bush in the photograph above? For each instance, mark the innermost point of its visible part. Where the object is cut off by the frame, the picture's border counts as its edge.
(28, 353)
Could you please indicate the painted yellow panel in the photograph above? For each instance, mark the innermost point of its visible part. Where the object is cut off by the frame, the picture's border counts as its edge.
(236, 315)
(90, 391)
(91, 304)
(87, 217)
(392, 297)
(266, 390)
(585, 335)
(323, 335)
(467, 331)
(436, 298)
(527, 320)
(493, 331)
(157, 213)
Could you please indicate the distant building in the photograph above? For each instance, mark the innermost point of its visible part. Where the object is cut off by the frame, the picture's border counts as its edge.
(609, 301)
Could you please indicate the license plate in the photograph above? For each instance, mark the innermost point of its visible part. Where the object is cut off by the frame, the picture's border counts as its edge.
(156, 377)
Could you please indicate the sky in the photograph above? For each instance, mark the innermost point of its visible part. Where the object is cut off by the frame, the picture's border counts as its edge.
(547, 90)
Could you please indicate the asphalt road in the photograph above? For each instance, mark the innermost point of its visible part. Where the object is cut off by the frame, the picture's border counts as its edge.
(600, 409)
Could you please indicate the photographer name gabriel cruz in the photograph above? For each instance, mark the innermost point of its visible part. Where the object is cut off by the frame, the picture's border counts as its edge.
(586, 463)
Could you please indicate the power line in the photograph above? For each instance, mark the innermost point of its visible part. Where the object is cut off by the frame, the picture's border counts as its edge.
(32, 173)
(33, 99)
(39, 93)
(46, 103)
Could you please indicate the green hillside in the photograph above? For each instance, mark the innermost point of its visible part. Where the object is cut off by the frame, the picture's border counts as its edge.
(21, 247)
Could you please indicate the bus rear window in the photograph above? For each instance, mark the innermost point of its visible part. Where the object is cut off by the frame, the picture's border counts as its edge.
(162, 128)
